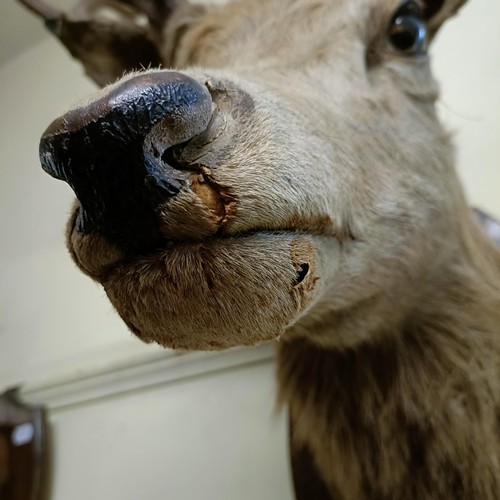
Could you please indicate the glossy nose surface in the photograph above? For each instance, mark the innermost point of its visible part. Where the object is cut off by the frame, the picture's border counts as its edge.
(112, 152)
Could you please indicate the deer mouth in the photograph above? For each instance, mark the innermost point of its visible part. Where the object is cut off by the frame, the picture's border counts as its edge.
(98, 256)
(215, 293)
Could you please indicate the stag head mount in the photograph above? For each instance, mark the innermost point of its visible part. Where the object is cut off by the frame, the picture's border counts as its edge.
(109, 37)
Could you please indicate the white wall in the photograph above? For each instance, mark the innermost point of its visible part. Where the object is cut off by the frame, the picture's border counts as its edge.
(208, 438)
(181, 437)
(467, 63)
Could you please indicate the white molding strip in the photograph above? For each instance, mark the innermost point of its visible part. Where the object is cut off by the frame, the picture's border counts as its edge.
(137, 372)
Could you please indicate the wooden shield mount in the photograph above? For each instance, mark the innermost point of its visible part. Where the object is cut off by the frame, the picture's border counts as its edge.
(23, 450)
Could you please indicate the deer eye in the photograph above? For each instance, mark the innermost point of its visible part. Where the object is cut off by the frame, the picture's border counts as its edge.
(407, 31)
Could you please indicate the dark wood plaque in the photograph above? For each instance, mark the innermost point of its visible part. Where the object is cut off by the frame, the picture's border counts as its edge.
(23, 450)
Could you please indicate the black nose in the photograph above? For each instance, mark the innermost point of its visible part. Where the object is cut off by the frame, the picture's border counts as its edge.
(112, 152)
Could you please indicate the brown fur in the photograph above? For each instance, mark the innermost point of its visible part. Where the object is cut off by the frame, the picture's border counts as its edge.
(324, 210)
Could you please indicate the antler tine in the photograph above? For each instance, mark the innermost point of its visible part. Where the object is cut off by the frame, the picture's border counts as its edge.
(41, 9)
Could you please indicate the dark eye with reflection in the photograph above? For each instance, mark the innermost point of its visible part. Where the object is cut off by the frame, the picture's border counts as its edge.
(407, 31)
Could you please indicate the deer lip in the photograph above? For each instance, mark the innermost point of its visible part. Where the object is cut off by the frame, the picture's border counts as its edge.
(99, 257)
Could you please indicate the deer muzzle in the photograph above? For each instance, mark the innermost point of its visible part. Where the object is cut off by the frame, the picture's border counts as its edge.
(105, 152)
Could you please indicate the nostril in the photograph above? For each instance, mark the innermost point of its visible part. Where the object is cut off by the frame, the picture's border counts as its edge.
(158, 183)
(171, 157)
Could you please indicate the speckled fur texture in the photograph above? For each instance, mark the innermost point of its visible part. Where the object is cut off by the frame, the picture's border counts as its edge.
(325, 211)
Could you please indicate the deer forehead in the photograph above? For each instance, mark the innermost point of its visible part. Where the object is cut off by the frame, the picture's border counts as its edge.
(286, 32)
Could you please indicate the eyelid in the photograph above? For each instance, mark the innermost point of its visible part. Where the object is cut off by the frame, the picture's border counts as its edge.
(409, 7)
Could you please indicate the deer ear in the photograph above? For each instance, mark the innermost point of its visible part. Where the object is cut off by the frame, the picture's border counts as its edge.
(436, 12)
(175, 30)
(110, 37)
